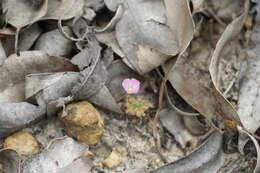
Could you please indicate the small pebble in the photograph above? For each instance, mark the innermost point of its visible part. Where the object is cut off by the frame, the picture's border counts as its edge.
(23, 143)
(113, 160)
(83, 122)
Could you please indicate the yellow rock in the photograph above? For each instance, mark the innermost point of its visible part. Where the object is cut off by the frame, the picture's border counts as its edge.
(83, 122)
(22, 142)
(113, 160)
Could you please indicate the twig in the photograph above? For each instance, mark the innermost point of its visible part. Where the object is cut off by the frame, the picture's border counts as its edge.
(215, 17)
(16, 49)
(156, 121)
(67, 35)
(171, 103)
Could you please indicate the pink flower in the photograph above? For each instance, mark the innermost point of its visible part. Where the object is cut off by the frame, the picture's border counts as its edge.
(131, 85)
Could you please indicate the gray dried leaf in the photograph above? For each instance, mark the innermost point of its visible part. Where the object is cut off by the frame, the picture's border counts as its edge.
(180, 21)
(26, 39)
(113, 4)
(84, 58)
(89, 14)
(15, 68)
(48, 88)
(249, 100)
(194, 126)
(2, 54)
(54, 43)
(111, 25)
(60, 153)
(106, 100)
(82, 165)
(21, 13)
(146, 32)
(174, 124)
(90, 81)
(96, 5)
(64, 9)
(109, 39)
(9, 161)
(207, 158)
(14, 116)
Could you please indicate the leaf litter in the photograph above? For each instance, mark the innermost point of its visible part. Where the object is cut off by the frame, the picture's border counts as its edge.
(199, 56)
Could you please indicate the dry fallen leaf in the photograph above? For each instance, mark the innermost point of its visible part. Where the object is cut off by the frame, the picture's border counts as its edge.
(54, 43)
(174, 124)
(198, 86)
(207, 158)
(64, 9)
(60, 153)
(14, 116)
(149, 39)
(29, 12)
(9, 161)
(15, 68)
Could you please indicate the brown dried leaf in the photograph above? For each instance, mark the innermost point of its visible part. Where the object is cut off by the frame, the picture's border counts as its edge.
(198, 86)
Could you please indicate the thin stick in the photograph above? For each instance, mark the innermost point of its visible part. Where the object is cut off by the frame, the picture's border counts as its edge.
(66, 35)
(156, 121)
(16, 49)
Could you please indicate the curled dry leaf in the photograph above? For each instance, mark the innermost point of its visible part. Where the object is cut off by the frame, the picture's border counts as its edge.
(60, 153)
(54, 43)
(207, 158)
(199, 87)
(64, 9)
(149, 39)
(15, 68)
(136, 32)
(29, 11)
(224, 107)
(174, 124)
(9, 161)
(257, 167)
